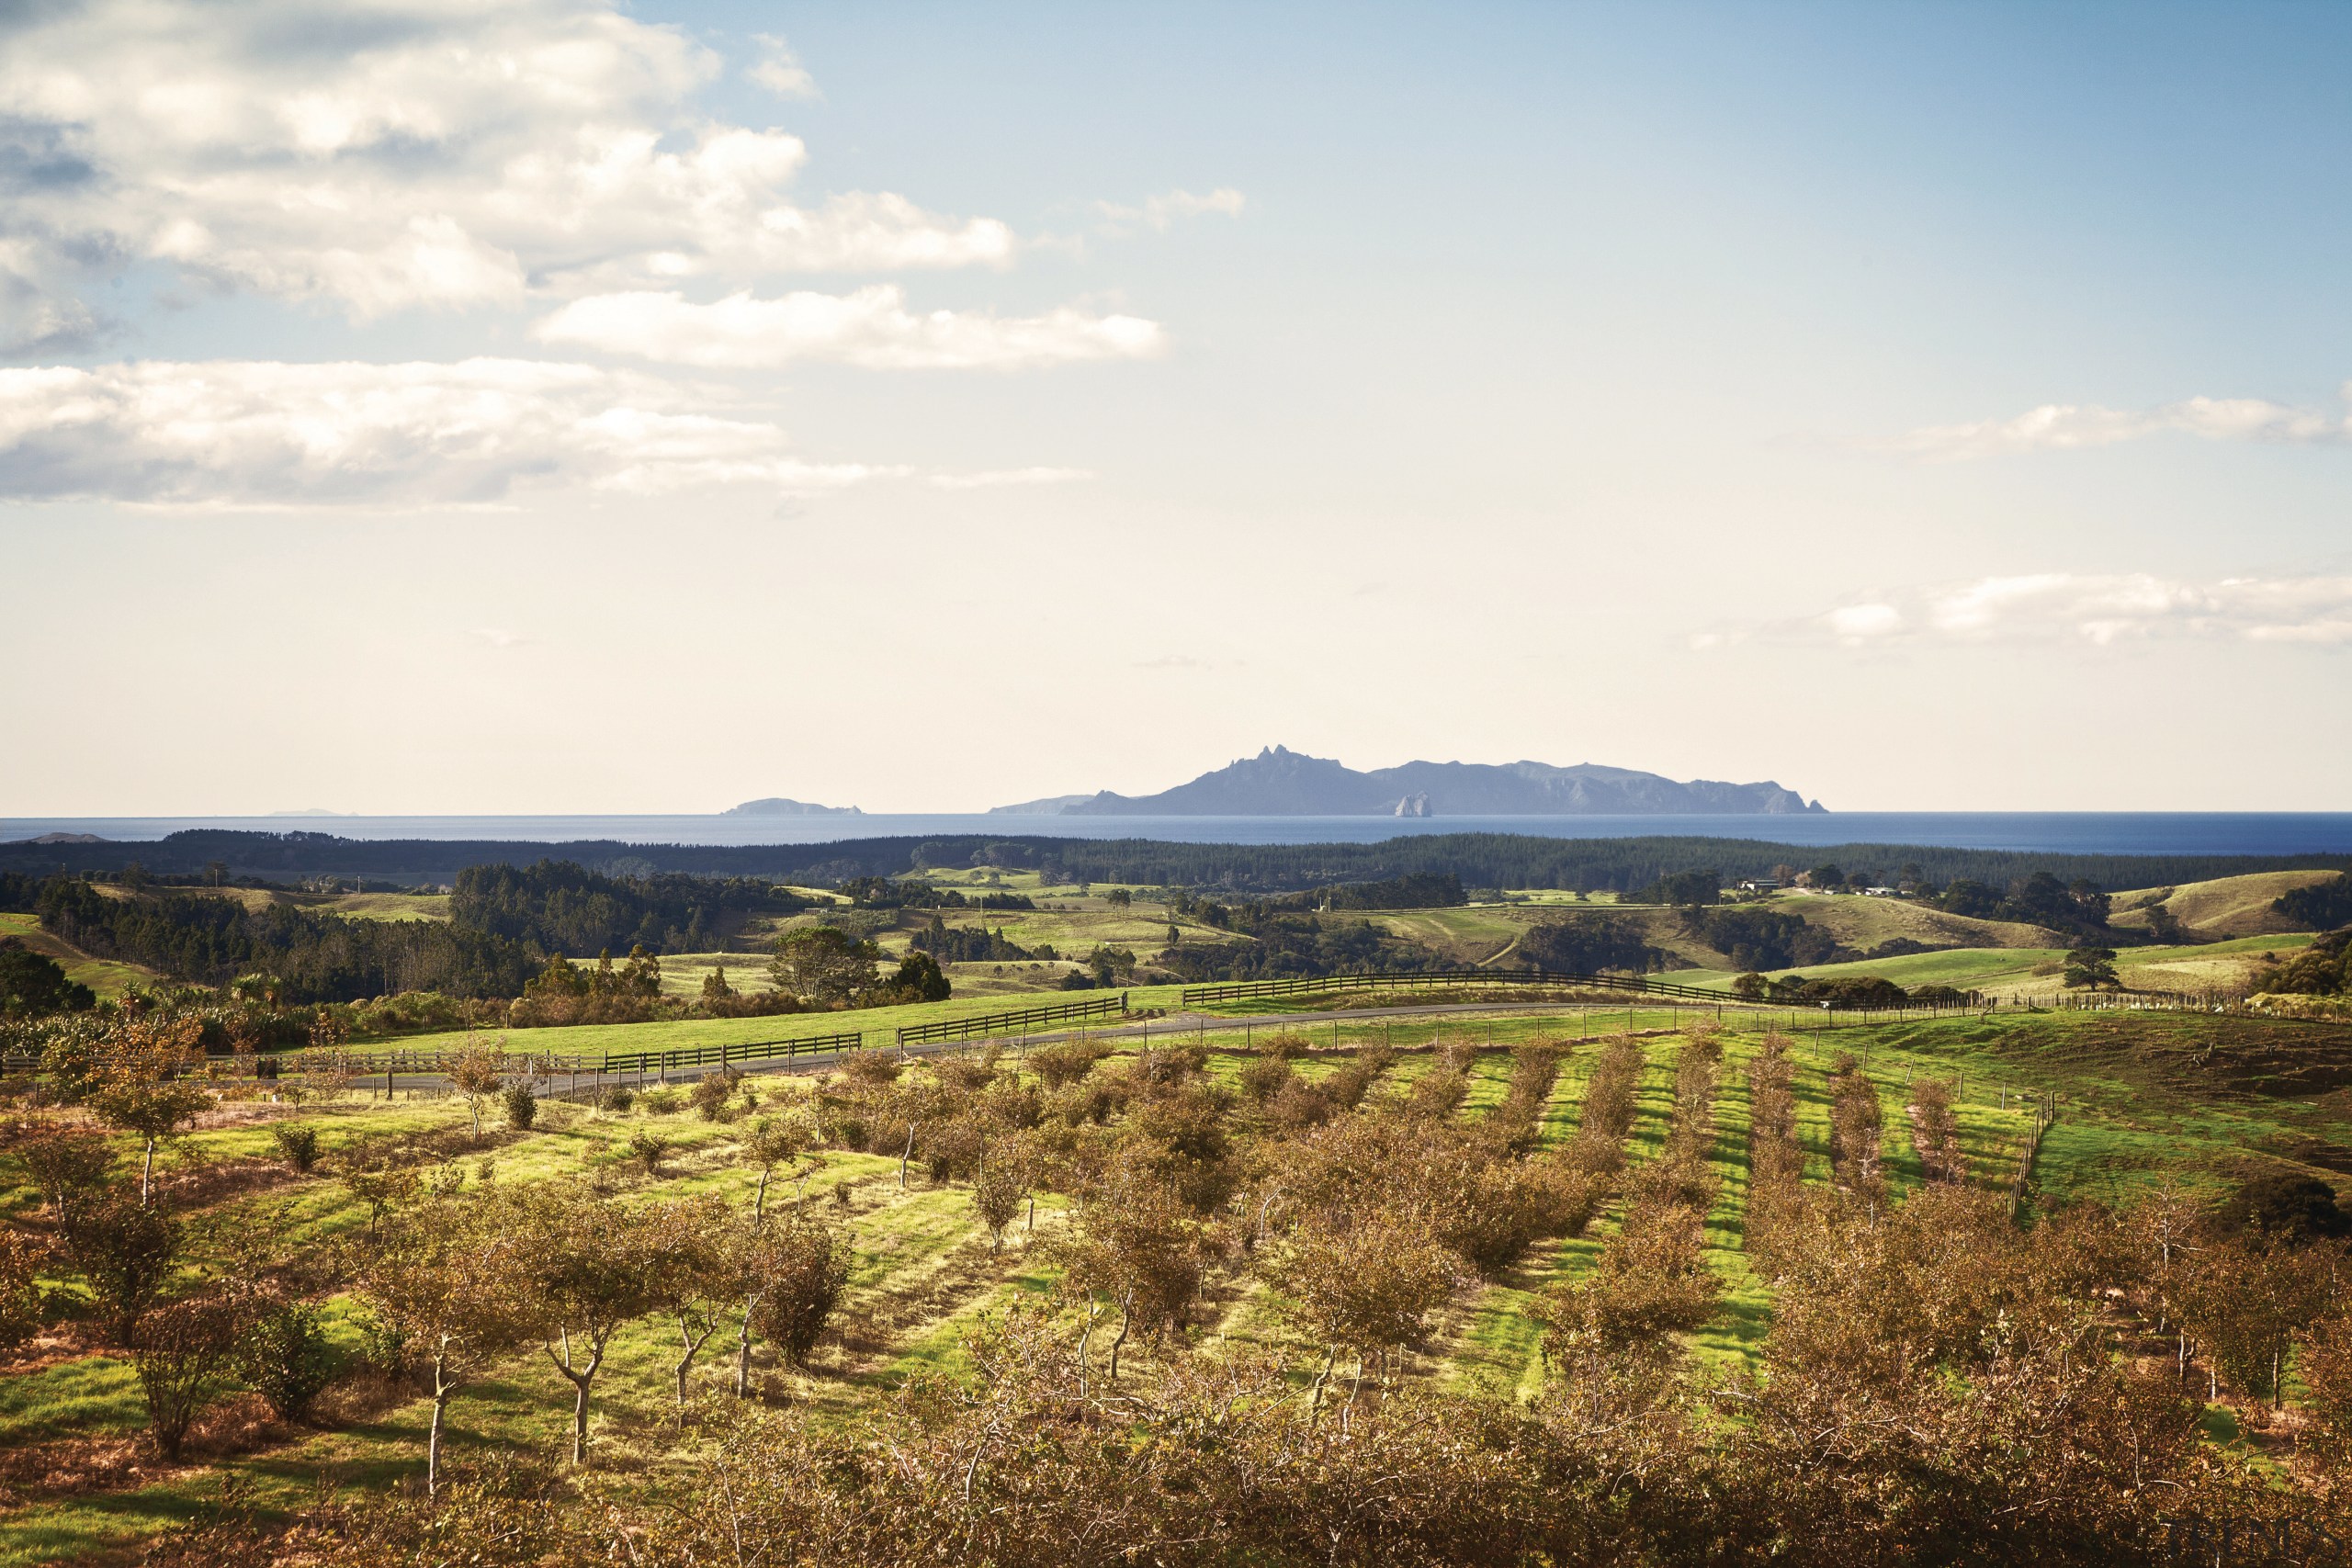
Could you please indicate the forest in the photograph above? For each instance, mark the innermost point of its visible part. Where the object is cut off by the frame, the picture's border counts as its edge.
(505, 923)
(1479, 860)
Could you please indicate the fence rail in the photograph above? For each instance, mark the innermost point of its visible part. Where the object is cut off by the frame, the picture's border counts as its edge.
(1012, 1023)
(1444, 980)
(398, 1063)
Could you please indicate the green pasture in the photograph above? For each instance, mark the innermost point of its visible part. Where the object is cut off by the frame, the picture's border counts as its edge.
(104, 975)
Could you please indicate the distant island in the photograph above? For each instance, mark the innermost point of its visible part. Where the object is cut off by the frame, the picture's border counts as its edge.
(1279, 781)
(776, 805)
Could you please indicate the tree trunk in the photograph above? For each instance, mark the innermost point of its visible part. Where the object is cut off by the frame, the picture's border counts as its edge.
(760, 1204)
(694, 1343)
(1126, 1319)
(744, 1352)
(147, 1173)
(581, 1380)
(441, 1391)
(1314, 1398)
(908, 1153)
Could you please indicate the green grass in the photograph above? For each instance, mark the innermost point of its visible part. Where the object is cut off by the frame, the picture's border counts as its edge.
(104, 975)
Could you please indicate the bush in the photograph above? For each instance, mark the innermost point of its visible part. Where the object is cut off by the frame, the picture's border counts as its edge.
(648, 1149)
(521, 1105)
(297, 1144)
(1263, 1078)
(711, 1093)
(617, 1099)
(183, 1353)
(126, 1250)
(660, 1101)
(20, 1300)
(286, 1358)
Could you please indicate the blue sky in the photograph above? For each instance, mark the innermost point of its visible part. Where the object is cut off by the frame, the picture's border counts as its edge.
(491, 407)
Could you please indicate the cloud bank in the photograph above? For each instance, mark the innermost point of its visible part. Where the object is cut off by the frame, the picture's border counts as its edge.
(871, 327)
(2059, 607)
(416, 153)
(2064, 426)
(260, 433)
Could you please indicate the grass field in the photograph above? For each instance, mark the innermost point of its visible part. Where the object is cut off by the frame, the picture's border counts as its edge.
(2013, 972)
(105, 975)
(2231, 906)
(2140, 1097)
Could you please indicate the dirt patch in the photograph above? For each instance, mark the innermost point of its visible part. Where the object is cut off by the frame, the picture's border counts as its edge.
(216, 1181)
(54, 1346)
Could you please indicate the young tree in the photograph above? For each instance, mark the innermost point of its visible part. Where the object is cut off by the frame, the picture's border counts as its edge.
(590, 1267)
(185, 1352)
(790, 1275)
(444, 1280)
(479, 1072)
(67, 1167)
(126, 1250)
(1001, 1182)
(143, 1085)
(284, 1355)
(824, 965)
(1364, 1281)
(1134, 1246)
(773, 1141)
(20, 1300)
(688, 1257)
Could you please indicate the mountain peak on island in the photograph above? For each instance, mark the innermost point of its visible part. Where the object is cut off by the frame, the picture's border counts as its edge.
(777, 806)
(1279, 781)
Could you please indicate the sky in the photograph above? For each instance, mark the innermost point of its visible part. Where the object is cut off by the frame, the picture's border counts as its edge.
(538, 406)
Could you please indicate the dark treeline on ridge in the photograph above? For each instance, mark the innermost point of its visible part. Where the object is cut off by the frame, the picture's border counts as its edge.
(1479, 860)
(558, 907)
(506, 923)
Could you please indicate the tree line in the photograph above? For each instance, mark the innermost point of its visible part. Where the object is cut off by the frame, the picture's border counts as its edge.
(1484, 860)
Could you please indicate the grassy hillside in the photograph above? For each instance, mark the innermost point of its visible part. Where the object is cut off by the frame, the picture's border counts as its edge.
(2035, 972)
(2233, 905)
(104, 975)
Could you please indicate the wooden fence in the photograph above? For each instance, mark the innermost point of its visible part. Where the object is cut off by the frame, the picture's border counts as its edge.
(1444, 980)
(1012, 1023)
(403, 1064)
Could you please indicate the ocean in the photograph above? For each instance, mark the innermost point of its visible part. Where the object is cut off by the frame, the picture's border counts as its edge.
(2088, 832)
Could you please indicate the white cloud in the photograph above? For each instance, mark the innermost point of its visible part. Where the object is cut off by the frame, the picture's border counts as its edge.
(406, 152)
(1161, 211)
(869, 327)
(2059, 426)
(2086, 609)
(994, 478)
(780, 71)
(265, 433)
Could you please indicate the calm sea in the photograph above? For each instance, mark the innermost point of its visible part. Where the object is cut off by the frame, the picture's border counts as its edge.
(2097, 832)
